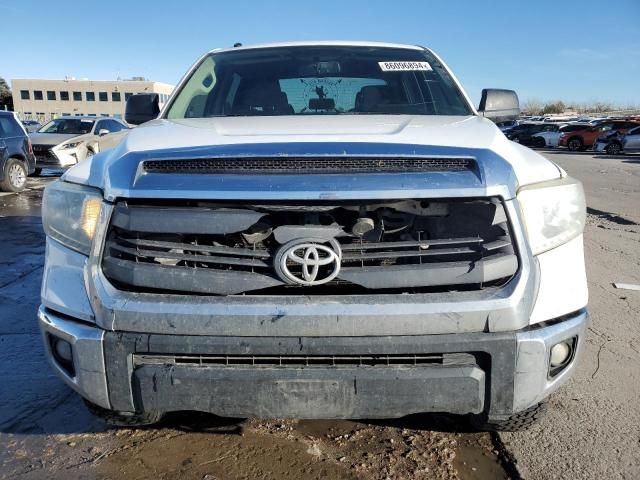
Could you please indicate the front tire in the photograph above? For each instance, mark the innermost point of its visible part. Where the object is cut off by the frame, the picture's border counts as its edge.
(575, 144)
(613, 148)
(124, 419)
(15, 176)
(513, 423)
(539, 142)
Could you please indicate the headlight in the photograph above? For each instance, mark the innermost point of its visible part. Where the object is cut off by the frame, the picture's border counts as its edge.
(70, 214)
(554, 213)
(70, 145)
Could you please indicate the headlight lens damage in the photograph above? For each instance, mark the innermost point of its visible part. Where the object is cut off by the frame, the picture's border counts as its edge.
(554, 213)
(70, 214)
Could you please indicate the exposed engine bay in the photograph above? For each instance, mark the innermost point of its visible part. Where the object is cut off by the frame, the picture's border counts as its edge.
(315, 247)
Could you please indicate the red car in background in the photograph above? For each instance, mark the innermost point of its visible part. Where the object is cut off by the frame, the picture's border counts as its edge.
(585, 138)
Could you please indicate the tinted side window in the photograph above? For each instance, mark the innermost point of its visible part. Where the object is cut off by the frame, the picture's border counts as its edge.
(9, 127)
(114, 126)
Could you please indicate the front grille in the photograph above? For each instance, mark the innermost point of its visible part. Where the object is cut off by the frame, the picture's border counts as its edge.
(303, 164)
(44, 155)
(380, 360)
(404, 246)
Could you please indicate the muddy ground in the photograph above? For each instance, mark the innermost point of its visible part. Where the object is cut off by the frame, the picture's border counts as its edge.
(592, 430)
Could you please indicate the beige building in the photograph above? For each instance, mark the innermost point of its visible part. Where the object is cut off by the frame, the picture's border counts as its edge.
(42, 100)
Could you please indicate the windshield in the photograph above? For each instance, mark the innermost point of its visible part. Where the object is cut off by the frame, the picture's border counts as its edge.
(319, 81)
(71, 126)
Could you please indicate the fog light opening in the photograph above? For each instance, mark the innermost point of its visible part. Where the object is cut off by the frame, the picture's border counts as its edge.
(560, 355)
(63, 350)
(63, 354)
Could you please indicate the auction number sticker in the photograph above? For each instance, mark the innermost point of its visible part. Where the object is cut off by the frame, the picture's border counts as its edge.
(404, 66)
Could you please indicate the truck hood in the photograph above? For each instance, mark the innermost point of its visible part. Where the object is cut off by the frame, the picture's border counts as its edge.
(313, 135)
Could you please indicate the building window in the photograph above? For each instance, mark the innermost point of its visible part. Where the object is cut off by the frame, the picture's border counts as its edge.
(91, 115)
(115, 97)
(127, 95)
(51, 95)
(103, 96)
(91, 96)
(79, 115)
(24, 94)
(66, 114)
(64, 96)
(37, 95)
(77, 96)
(104, 114)
(117, 115)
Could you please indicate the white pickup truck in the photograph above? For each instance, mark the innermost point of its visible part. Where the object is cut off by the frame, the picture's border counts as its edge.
(316, 230)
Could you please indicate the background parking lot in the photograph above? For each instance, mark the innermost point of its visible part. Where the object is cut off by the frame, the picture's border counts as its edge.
(593, 431)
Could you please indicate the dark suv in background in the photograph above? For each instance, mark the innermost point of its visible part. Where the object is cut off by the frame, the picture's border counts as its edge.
(16, 154)
(524, 132)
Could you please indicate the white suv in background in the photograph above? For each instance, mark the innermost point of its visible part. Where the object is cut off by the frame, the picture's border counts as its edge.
(65, 141)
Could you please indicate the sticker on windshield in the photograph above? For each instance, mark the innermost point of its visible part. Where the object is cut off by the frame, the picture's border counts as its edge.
(404, 66)
(86, 121)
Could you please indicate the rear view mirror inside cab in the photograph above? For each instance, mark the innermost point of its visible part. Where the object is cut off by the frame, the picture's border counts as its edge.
(324, 69)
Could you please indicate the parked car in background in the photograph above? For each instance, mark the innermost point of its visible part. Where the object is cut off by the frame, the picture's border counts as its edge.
(524, 132)
(585, 138)
(16, 155)
(615, 142)
(631, 141)
(65, 141)
(550, 136)
(31, 125)
(507, 126)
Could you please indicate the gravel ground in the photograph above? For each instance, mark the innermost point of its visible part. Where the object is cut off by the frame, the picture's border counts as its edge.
(591, 431)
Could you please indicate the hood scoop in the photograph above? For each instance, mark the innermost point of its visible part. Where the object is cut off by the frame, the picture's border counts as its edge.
(290, 164)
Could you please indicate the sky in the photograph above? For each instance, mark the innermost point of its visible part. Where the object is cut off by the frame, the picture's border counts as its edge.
(575, 51)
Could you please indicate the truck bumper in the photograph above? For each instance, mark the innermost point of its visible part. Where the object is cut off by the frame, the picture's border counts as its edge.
(314, 377)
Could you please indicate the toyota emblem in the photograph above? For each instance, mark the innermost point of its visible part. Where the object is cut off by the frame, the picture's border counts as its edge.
(308, 261)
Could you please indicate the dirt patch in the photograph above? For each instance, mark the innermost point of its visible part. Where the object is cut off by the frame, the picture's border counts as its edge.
(290, 449)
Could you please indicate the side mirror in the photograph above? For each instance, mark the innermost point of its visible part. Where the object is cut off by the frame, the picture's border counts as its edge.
(141, 108)
(499, 105)
(102, 132)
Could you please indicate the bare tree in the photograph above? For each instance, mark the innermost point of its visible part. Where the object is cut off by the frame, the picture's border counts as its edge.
(532, 107)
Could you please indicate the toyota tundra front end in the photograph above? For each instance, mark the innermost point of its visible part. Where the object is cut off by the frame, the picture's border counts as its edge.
(316, 230)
